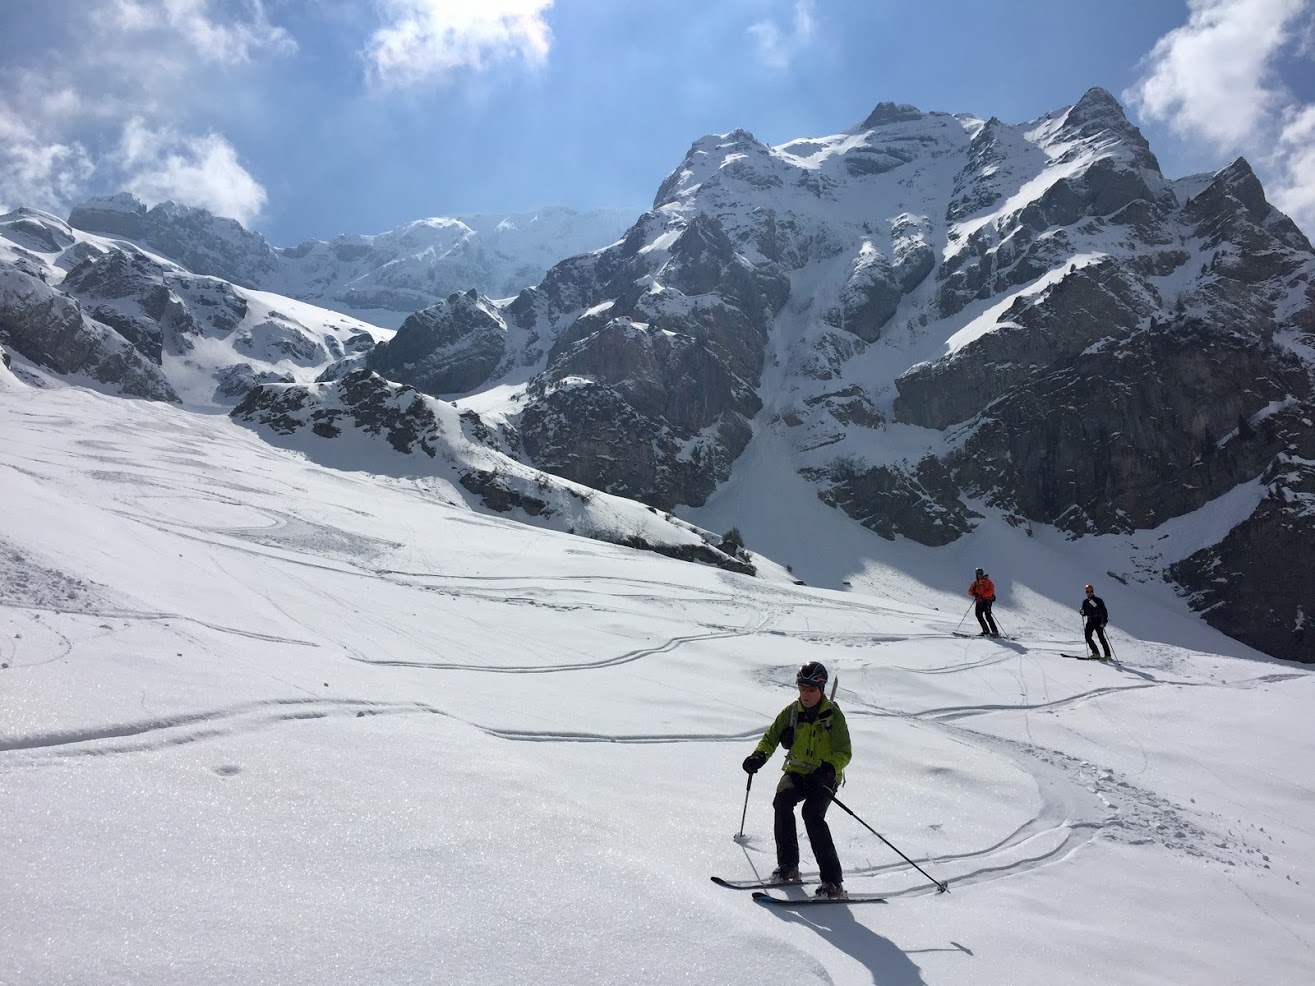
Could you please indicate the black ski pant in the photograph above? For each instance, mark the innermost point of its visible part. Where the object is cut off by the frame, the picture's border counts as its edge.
(816, 798)
(1099, 630)
(984, 616)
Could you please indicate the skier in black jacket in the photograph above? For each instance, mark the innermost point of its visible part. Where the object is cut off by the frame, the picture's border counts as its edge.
(1096, 615)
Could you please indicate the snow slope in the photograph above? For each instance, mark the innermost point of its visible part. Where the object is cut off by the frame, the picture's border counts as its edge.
(270, 722)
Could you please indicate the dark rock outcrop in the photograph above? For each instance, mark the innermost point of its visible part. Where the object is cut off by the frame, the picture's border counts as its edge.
(922, 504)
(52, 331)
(449, 348)
(648, 395)
(1235, 583)
(197, 239)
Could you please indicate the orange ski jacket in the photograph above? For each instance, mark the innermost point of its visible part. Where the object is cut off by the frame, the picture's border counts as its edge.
(983, 589)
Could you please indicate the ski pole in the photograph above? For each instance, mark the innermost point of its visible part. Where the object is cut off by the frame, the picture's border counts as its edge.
(964, 617)
(744, 814)
(941, 887)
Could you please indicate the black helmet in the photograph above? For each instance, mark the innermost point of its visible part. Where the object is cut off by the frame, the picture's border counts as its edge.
(812, 673)
(980, 572)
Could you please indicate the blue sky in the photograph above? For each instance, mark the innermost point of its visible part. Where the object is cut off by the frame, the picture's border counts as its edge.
(308, 118)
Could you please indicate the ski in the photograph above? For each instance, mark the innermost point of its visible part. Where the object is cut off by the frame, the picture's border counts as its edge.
(753, 884)
(983, 636)
(765, 898)
(1088, 657)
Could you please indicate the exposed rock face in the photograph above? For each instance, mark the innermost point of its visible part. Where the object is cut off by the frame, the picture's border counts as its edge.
(922, 505)
(648, 395)
(201, 242)
(234, 382)
(449, 348)
(54, 332)
(1234, 582)
(1091, 448)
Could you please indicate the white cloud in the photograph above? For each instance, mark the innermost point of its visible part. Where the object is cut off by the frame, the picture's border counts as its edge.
(1213, 77)
(38, 173)
(429, 40)
(72, 115)
(204, 171)
(1295, 191)
(777, 46)
(213, 37)
(1218, 79)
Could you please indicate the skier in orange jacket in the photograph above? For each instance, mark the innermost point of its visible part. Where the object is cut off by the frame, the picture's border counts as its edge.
(983, 590)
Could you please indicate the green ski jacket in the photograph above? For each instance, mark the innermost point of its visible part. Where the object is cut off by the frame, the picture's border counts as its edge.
(809, 740)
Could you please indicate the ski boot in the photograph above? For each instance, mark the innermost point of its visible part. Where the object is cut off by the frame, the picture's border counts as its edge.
(831, 891)
(785, 874)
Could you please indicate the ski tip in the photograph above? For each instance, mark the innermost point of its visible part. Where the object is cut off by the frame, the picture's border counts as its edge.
(763, 897)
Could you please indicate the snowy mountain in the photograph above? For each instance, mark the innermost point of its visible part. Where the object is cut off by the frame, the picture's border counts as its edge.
(937, 320)
(111, 315)
(91, 310)
(271, 722)
(380, 278)
(936, 324)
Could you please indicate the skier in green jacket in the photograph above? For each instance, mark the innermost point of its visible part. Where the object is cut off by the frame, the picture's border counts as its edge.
(815, 737)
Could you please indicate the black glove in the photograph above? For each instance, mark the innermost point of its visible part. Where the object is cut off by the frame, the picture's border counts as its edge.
(825, 775)
(754, 761)
(787, 737)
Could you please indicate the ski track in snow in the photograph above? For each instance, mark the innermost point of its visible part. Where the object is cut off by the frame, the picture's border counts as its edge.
(1078, 801)
(157, 734)
(1074, 808)
(608, 662)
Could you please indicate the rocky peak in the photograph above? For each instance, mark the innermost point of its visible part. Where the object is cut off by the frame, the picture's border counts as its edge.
(1241, 182)
(887, 113)
(1098, 113)
(1097, 110)
(1233, 207)
(711, 157)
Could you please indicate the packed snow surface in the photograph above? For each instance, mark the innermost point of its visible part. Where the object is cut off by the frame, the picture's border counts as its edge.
(268, 722)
